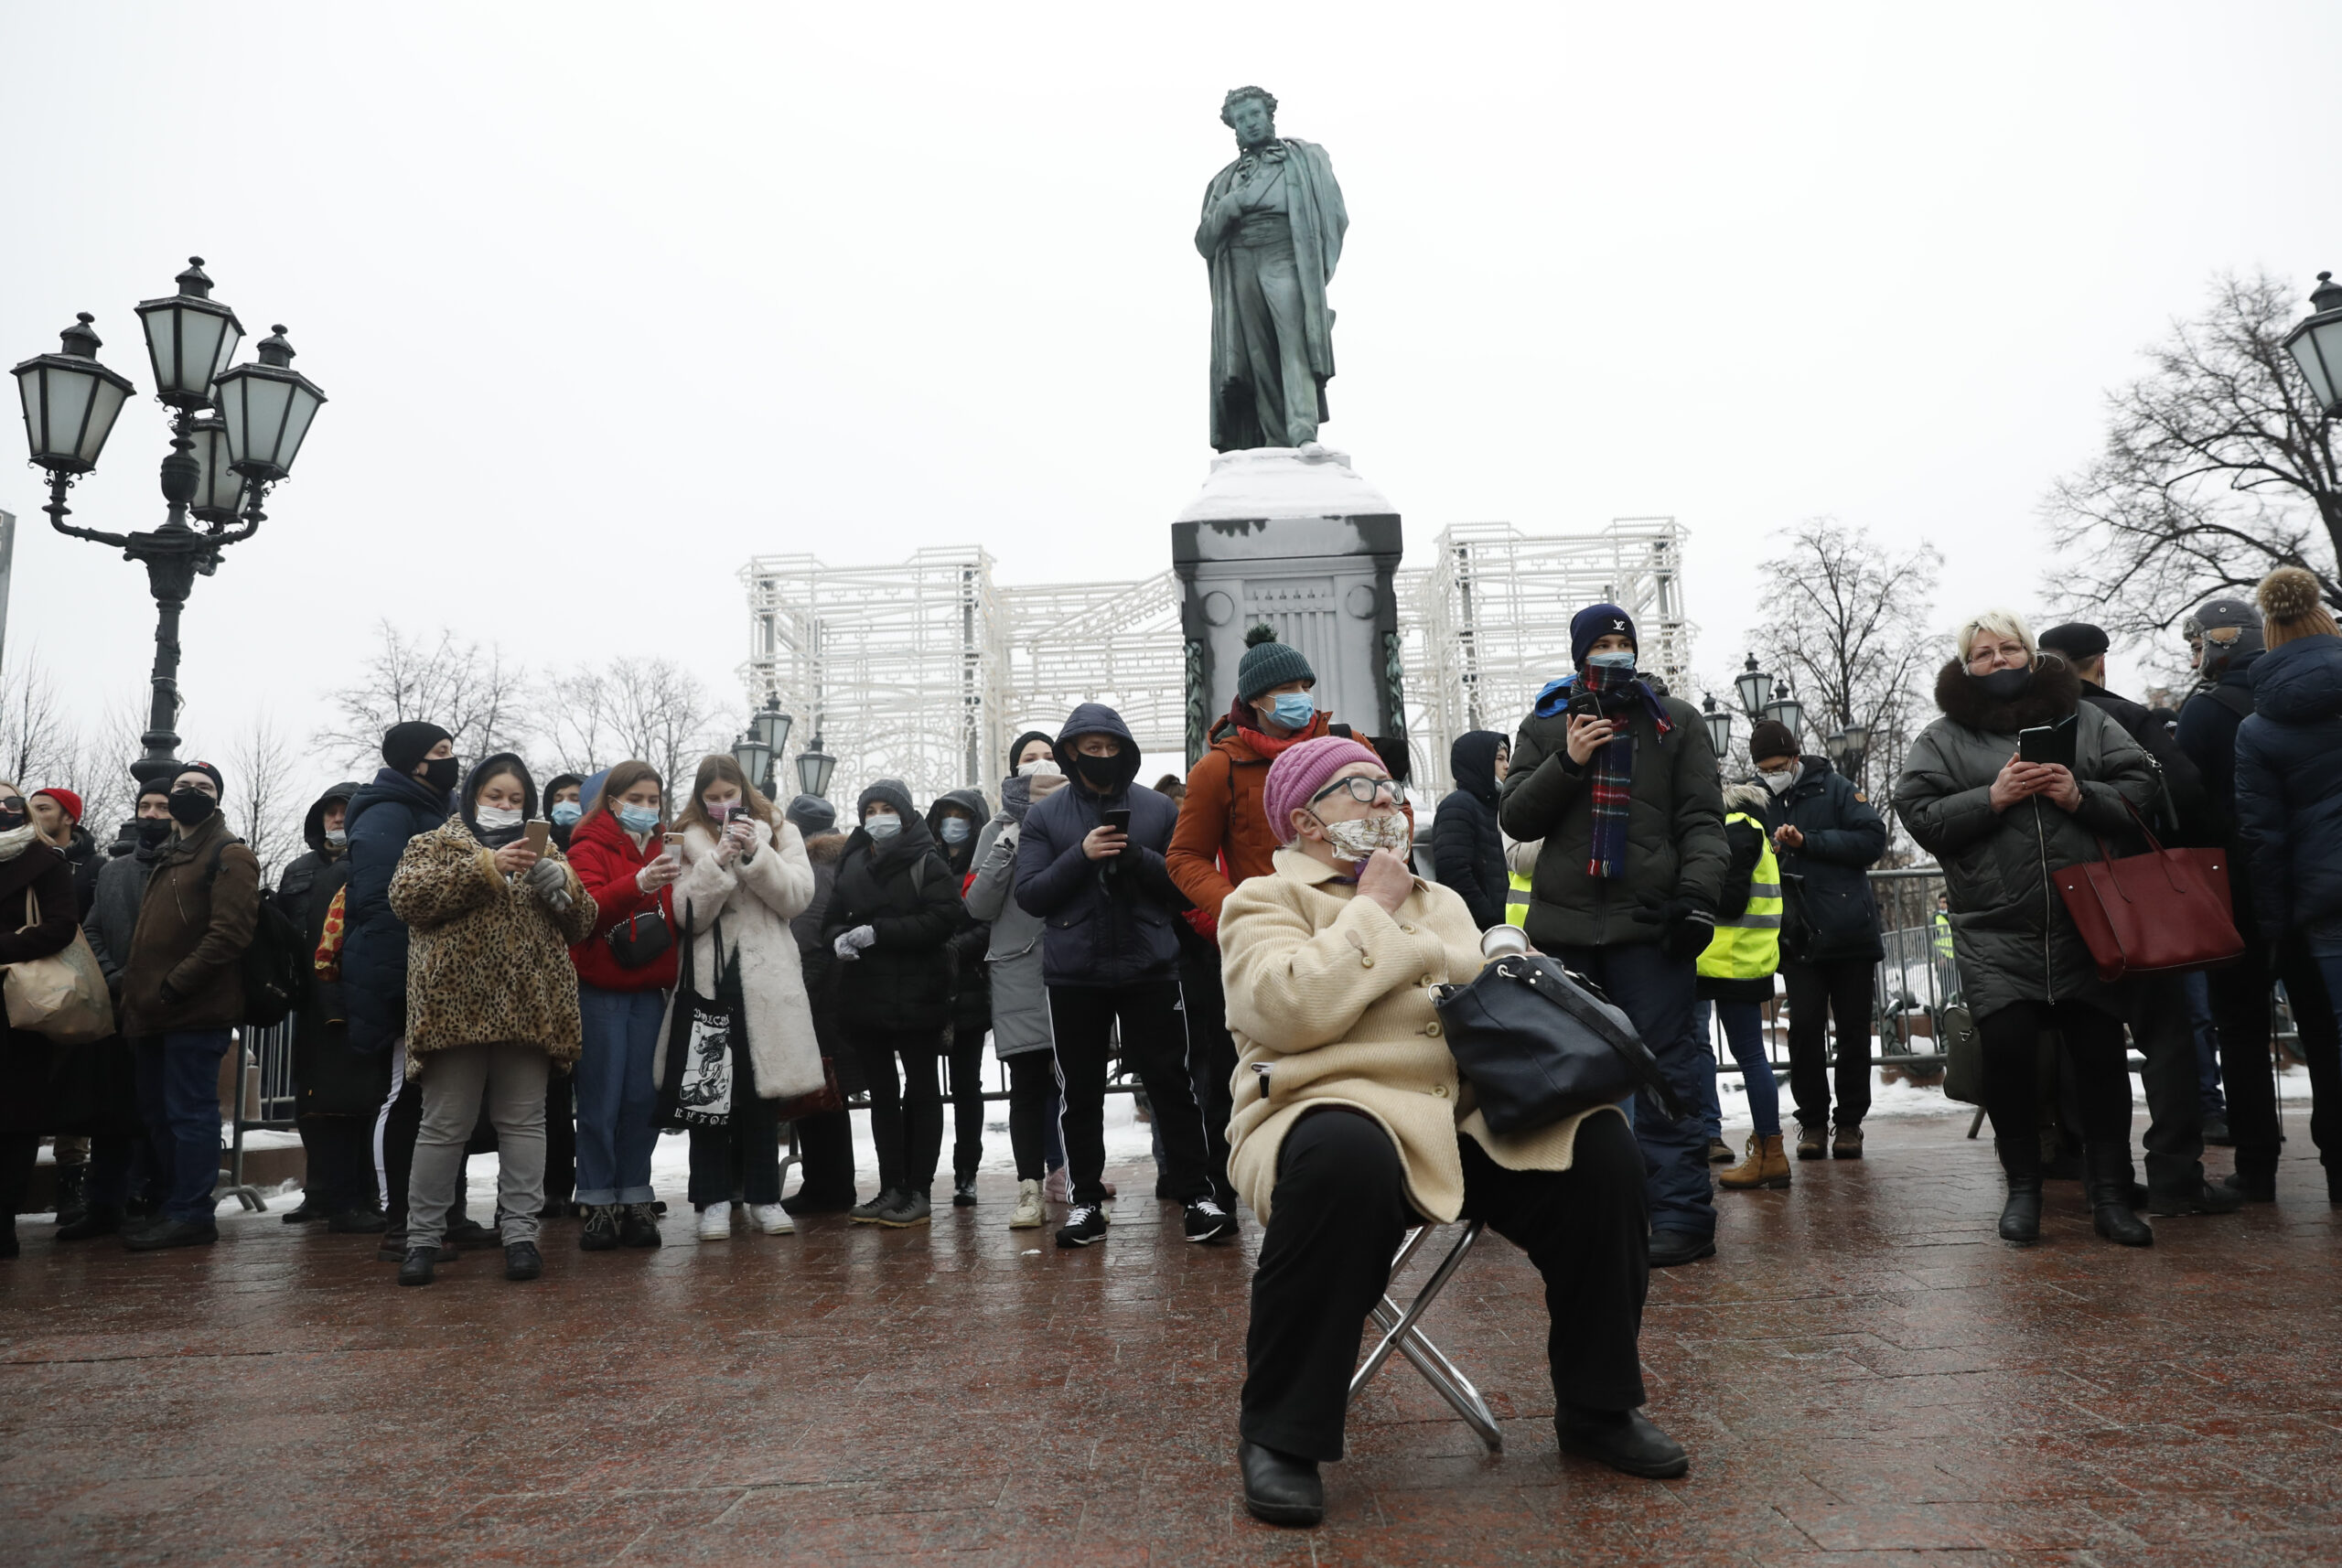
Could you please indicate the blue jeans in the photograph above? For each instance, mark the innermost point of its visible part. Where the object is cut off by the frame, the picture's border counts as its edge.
(178, 1099)
(1656, 991)
(1743, 1031)
(615, 1094)
(2207, 1045)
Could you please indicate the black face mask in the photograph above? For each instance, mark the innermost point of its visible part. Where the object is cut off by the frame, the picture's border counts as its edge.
(191, 807)
(152, 831)
(2002, 684)
(442, 772)
(1103, 774)
(14, 814)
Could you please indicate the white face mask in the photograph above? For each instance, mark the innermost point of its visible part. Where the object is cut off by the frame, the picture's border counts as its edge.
(337, 836)
(495, 817)
(1777, 782)
(1040, 767)
(1358, 837)
(882, 827)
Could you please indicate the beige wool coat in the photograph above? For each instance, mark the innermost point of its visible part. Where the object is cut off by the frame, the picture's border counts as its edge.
(755, 901)
(1329, 1000)
(487, 960)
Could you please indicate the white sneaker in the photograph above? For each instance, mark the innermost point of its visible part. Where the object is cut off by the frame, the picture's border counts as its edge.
(771, 1219)
(715, 1222)
(1028, 1206)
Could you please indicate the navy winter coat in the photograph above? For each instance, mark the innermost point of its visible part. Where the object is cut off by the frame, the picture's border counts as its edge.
(1466, 852)
(2207, 733)
(1836, 917)
(381, 817)
(2289, 785)
(1105, 923)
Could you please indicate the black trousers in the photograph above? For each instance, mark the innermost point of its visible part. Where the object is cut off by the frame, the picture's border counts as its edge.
(2092, 1042)
(1154, 1045)
(2241, 1015)
(560, 1137)
(964, 1062)
(2166, 1030)
(1032, 1088)
(341, 1151)
(739, 1163)
(1819, 993)
(1337, 1217)
(905, 1121)
(1211, 1051)
(825, 1155)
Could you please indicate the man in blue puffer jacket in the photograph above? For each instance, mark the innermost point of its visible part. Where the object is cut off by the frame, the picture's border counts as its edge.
(1108, 951)
(2289, 823)
(411, 795)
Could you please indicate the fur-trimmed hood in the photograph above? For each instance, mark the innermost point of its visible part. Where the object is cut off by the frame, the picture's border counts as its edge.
(2054, 691)
(824, 849)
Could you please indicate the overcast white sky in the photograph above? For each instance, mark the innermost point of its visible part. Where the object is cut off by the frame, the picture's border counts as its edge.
(608, 298)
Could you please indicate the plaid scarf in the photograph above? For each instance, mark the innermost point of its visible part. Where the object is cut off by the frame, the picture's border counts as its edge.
(1616, 692)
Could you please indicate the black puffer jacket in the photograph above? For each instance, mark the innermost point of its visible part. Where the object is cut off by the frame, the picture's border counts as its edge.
(296, 888)
(971, 1003)
(1832, 917)
(1108, 922)
(1467, 851)
(902, 888)
(2010, 933)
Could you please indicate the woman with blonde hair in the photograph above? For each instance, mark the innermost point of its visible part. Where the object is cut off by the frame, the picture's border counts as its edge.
(746, 876)
(2000, 827)
(2289, 815)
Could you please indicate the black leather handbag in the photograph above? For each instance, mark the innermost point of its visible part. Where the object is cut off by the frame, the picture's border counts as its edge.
(1539, 1043)
(640, 938)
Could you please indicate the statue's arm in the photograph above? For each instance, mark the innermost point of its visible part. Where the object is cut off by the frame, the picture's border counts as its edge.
(1219, 212)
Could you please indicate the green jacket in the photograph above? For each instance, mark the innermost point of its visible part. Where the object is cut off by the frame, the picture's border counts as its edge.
(1675, 844)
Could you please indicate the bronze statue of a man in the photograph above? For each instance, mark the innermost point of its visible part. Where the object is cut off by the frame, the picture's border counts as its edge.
(1272, 232)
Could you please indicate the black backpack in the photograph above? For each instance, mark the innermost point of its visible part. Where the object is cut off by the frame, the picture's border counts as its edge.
(275, 964)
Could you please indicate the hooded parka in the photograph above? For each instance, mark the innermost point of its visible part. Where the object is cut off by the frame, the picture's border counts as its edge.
(1020, 998)
(330, 1078)
(2289, 789)
(971, 996)
(385, 814)
(1109, 921)
(2011, 935)
(1467, 850)
(902, 888)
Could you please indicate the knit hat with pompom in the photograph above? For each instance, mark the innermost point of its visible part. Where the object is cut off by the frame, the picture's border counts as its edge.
(1268, 664)
(2293, 605)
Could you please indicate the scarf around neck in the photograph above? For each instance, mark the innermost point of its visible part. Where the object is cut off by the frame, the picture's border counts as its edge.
(1615, 694)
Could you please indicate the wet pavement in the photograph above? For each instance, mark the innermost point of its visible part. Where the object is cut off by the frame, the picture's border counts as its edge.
(1864, 1376)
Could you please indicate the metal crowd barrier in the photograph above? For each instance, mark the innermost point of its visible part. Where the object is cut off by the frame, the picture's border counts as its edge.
(265, 1101)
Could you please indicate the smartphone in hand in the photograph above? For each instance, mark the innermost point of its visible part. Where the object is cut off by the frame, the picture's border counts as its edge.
(536, 832)
(1117, 821)
(674, 845)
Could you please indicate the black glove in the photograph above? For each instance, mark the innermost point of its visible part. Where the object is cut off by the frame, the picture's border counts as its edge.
(1686, 927)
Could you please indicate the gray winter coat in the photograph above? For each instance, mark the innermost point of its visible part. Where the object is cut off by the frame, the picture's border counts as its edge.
(2010, 933)
(122, 887)
(1020, 1001)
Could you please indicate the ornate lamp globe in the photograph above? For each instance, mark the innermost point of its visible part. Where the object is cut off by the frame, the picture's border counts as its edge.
(190, 338)
(1755, 689)
(70, 400)
(267, 408)
(814, 767)
(2316, 345)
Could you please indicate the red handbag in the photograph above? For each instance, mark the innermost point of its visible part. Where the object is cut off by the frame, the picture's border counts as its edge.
(2160, 912)
(823, 1099)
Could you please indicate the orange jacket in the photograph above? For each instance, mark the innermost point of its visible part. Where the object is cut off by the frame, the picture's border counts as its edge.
(1222, 819)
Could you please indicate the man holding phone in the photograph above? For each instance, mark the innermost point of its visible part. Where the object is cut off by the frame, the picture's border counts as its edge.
(1090, 864)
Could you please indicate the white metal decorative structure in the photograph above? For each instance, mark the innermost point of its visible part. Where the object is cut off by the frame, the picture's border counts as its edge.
(923, 669)
(1487, 624)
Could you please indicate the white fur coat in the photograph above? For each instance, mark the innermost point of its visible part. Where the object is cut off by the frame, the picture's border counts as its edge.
(756, 901)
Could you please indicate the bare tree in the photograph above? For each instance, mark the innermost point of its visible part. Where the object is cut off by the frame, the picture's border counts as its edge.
(2217, 470)
(649, 708)
(1845, 620)
(469, 691)
(262, 805)
(38, 736)
(103, 752)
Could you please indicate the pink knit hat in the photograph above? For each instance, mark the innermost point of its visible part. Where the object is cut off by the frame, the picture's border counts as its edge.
(1300, 771)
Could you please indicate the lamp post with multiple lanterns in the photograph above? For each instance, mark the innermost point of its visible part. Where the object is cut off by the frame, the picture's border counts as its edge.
(760, 746)
(235, 430)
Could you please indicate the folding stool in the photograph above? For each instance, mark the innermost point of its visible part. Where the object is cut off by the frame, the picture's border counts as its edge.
(1400, 1334)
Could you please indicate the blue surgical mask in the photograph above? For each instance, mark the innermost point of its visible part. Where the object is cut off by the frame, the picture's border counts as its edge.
(566, 812)
(882, 827)
(956, 829)
(638, 819)
(1624, 659)
(1294, 709)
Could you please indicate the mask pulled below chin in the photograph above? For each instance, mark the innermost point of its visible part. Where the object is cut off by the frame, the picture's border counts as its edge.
(2002, 684)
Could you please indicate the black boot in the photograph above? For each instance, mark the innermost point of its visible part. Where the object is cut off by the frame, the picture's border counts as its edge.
(2021, 1215)
(1626, 1440)
(415, 1270)
(97, 1219)
(2109, 1196)
(1281, 1489)
(72, 1184)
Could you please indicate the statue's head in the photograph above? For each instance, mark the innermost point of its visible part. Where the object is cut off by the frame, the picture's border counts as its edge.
(1251, 113)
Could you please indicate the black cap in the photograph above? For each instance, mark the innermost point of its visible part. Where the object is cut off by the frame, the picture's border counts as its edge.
(2076, 640)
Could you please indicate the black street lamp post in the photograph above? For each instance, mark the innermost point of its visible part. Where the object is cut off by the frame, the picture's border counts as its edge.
(2316, 344)
(814, 767)
(220, 467)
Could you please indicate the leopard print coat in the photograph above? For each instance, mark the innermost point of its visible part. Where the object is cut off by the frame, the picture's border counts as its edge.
(487, 960)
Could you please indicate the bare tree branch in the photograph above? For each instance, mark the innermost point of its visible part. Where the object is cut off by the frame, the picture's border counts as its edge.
(471, 692)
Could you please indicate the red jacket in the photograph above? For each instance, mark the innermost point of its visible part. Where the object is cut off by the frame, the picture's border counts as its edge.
(605, 860)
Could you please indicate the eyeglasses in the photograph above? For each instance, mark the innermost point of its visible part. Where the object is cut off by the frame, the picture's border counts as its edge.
(1365, 791)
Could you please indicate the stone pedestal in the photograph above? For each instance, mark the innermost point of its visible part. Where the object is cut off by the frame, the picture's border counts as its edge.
(1294, 539)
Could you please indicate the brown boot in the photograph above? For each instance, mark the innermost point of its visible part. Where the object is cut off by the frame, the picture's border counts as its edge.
(1848, 1144)
(1813, 1141)
(1766, 1166)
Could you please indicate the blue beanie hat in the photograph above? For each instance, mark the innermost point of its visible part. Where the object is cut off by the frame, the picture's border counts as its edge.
(1598, 621)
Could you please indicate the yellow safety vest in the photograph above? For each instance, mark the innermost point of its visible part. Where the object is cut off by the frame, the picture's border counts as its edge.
(1516, 904)
(1750, 947)
(1943, 934)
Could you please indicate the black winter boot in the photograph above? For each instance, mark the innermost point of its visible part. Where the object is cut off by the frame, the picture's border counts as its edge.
(72, 1184)
(2109, 1166)
(2021, 1215)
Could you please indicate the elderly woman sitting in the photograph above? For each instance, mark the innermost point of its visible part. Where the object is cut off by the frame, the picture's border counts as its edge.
(1350, 1127)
